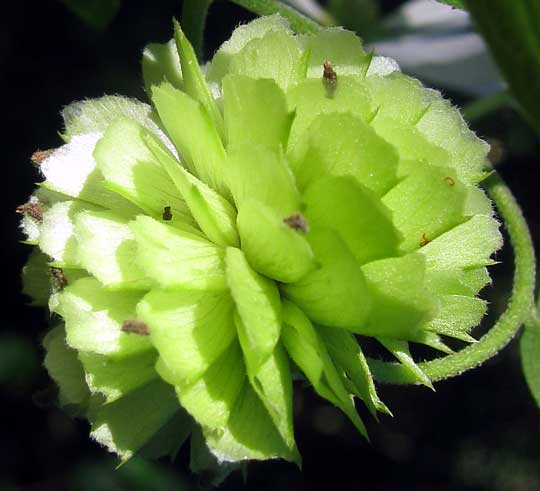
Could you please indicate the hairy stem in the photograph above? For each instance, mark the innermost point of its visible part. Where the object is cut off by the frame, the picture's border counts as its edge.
(299, 22)
(518, 311)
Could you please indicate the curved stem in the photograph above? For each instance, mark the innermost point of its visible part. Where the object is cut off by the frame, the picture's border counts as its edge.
(194, 14)
(299, 23)
(519, 306)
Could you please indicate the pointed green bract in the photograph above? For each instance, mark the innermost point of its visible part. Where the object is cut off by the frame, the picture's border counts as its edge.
(457, 281)
(213, 213)
(470, 244)
(271, 380)
(95, 115)
(433, 340)
(71, 170)
(131, 169)
(310, 98)
(310, 354)
(400, 349)
(194, 82)
(148, 409)
(334, 294)
(241, 36)
(276, 55)
(57, 238)
(107, 249)
(400, 300)
(65, 368)
(249, 434)
(342, 48)
(477, 203)
(211, 399)
(352, 211)
(341, 144)
(116, 378)
(160, 63)
(190, 330)
(456, 315)
(426, 204)
(255, 112)
(258, 304)
(443, 125)
(348, 357)
(411, 146)
(272, 247)
(176, 258)
(259, 173)
(193, 133)
(399, 97)
(94, 318)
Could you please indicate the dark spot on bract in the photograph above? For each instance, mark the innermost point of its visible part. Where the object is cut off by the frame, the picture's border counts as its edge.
(328, 72)
(167, 215)
(33, 209)
(59, 279)
(425, 240)
(136, 327)
(39, 156)
(297, 222)
(329, 79)
(450, 180)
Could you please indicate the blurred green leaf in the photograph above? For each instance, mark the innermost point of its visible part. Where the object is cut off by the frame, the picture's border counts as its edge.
(19, 363)
(529, 346)
(512, 31)
(459, 4)
(96, 13)
(194, 14)
(358, 15)
(299, 22)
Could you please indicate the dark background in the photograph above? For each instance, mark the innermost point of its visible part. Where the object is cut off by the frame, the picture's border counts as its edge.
(480, 431)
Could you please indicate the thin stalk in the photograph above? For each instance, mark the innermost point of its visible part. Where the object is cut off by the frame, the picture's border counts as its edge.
(299, 22)
(518, 311)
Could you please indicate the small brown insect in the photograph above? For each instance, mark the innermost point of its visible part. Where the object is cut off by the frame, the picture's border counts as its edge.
(59, 279)
(328, 72)
(135, 327)
(329, 79)
(39, 156)
(167, 215)
(35, 210)
(450, 181)
(297, 222)
(425, 240)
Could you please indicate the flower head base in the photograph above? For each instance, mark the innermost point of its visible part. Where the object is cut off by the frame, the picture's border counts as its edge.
(262, 212)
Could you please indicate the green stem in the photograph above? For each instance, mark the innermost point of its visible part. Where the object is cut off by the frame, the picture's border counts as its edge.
(482, 107)
(194, 14)
(519, 306)
(299, 22)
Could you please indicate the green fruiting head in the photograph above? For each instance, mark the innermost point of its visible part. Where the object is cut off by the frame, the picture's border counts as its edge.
(260, 213)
